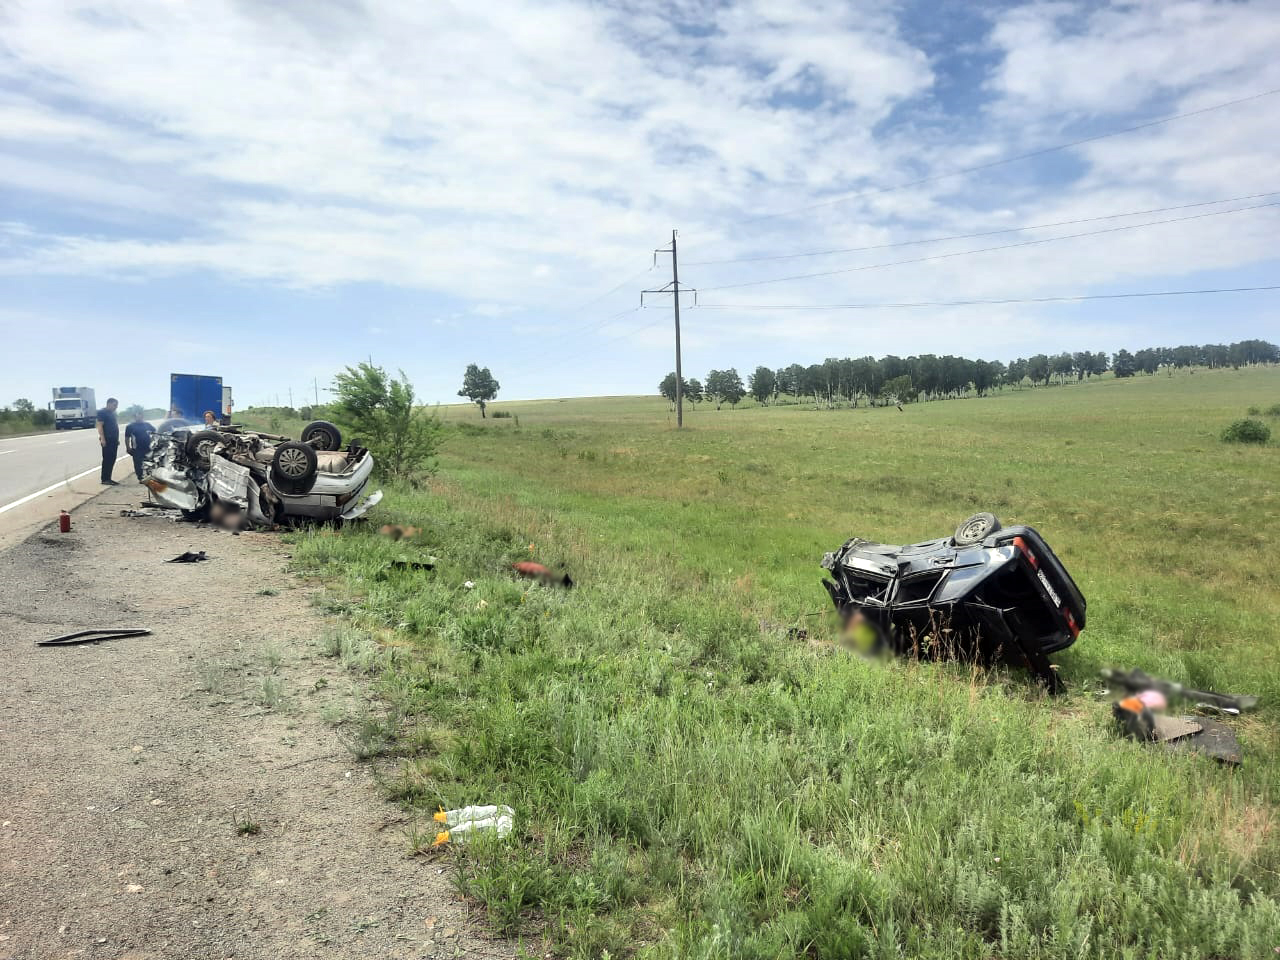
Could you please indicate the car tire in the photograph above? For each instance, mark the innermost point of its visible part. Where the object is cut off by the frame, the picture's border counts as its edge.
(293, 468)
(322, 435)
(199, 446)
(976, 529)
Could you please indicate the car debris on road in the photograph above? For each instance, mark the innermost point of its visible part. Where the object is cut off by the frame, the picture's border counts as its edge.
(238, 478)
(987, 592)
(94, 636)
(188, 557)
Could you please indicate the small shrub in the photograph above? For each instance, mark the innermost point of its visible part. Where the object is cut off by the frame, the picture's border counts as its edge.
(1253, 411)
(1247, 431)
(1273, 410)
(501, 415)
(246, 827)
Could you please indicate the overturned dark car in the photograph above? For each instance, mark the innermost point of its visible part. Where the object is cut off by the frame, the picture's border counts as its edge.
(242, 478)
(987, 593)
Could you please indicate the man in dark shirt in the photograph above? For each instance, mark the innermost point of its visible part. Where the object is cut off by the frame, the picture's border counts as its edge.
(108, 439)
(137, 440)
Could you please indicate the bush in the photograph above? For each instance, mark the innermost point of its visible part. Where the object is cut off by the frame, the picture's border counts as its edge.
(1273, 410)
(501, 415)
(1253, 411)
(1247, 431)
(380, 411)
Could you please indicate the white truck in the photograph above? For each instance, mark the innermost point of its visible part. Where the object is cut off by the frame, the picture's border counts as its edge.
(73, 407)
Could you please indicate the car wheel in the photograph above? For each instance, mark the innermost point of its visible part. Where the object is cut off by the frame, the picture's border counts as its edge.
(976, 529)
(293, 468)
(322, 435)
(199, 446)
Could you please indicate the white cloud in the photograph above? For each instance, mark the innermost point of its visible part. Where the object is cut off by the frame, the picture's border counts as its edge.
(499, 154)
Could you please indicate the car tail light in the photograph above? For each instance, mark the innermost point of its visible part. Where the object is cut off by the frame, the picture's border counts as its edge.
(1026, 552)
(1071, 623)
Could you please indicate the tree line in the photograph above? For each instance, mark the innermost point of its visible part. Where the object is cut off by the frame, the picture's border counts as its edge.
(893, 379)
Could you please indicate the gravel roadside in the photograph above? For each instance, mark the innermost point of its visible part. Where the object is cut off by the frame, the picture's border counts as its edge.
(187, 794)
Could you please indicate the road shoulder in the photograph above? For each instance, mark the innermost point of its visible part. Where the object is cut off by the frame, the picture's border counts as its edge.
(188, 794)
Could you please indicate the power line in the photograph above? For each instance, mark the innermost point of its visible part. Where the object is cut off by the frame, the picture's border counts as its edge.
(1003, 246)
(933, 178)
(623, 336)
(985, 233)
(985, 302)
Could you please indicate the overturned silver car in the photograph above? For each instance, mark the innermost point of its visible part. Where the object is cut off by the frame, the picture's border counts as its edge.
(241, 478)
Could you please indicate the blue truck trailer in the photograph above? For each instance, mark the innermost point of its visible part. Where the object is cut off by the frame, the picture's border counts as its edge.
(191, 394)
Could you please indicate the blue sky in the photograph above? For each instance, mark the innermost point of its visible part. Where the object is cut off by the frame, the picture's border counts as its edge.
(268, 192)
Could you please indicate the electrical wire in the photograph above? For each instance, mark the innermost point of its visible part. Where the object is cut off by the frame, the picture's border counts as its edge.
(933, 178)
(1003, 246)
(973, 236)
(982, 302)
(623, 336)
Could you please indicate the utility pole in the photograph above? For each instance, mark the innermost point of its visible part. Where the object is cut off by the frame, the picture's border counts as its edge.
(291, 398)
(315, 382)
(674, 289)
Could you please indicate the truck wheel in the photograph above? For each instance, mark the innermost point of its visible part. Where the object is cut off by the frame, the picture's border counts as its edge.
(322, 435)
(976, 529)
(293, 468)
(199, 446)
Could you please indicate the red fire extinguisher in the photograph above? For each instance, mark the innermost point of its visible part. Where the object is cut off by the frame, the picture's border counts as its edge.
(64, 522)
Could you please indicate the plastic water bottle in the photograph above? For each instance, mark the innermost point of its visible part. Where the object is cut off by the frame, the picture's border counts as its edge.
(462, 824)
(453, 818)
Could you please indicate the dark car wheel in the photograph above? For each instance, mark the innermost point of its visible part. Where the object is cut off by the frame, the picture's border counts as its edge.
(199, 446)
(322, 435)
(293, 468)
(976, 529)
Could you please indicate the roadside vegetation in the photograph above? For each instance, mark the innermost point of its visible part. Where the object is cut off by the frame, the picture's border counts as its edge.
(23, 417)
(894, 380)
(699, 771)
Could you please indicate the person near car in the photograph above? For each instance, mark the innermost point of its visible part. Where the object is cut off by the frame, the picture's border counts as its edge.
(210, 420)
(108, 438)
(137, 440)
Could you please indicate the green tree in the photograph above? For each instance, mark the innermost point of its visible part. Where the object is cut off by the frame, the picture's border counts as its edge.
(691, 390)
(24, 406)
(478, 386)
(762, 384)
(380, 412)
(132, 410)
(1124, 365)
(898, 390)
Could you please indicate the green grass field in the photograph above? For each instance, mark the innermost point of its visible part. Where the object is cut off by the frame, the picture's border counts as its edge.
(690, 780)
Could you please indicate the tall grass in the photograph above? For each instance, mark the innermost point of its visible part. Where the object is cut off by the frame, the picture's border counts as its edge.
(690, 781)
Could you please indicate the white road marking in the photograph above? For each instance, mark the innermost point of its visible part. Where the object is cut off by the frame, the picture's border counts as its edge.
(61, 442)
(52, 487)
(3, 452)
(44, 436)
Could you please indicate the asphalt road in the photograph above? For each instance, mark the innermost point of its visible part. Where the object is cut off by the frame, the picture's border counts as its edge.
(29, 465)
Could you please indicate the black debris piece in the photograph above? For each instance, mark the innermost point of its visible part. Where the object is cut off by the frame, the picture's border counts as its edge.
(188, 557)
(94, 636)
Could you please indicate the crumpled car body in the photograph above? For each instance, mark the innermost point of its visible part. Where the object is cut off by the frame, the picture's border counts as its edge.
(238, 478)
(1007, 597)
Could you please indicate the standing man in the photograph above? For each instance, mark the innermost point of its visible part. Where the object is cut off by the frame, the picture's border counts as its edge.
(108, 439)
(137, 440)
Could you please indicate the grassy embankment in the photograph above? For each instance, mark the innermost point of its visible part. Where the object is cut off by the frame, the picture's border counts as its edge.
(690, 781)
